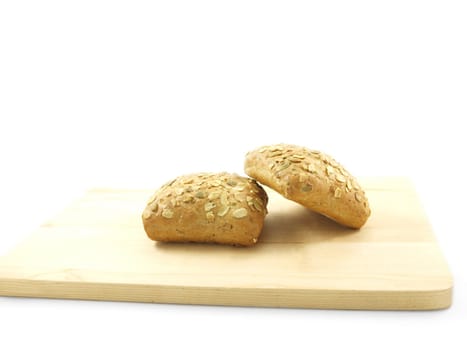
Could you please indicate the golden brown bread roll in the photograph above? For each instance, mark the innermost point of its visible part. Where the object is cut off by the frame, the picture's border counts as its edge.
(312, 179)
(206, 207)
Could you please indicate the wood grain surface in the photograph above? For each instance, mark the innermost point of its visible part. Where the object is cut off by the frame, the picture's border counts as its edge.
(97, 249)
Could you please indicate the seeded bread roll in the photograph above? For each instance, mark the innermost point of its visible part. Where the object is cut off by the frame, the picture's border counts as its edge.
(312, 179)
(216, 208)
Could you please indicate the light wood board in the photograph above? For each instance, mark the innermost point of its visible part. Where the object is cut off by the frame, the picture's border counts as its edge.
(97, 249)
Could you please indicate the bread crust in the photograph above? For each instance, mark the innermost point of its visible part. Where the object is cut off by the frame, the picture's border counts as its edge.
(311, 178)
(207, 207)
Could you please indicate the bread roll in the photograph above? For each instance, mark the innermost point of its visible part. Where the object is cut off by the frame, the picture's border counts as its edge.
(206, 207)
(312, 179)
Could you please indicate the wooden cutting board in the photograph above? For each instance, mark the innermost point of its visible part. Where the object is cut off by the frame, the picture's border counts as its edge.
(97, 249)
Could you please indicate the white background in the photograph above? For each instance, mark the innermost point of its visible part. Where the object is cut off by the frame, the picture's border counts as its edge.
(132, 93)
